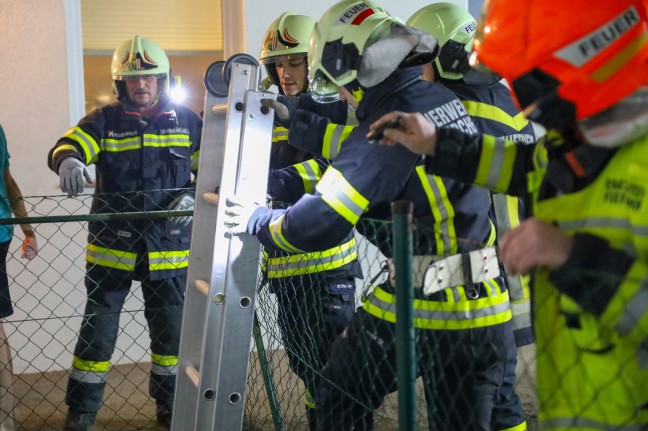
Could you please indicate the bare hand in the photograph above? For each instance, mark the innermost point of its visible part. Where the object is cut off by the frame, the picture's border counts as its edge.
(417, 133)
(534, 244)
(29, 247)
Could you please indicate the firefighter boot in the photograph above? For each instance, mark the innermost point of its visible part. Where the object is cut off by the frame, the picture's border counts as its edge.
(366, 423)
(164, 414)
(312, 419)
(79, 421)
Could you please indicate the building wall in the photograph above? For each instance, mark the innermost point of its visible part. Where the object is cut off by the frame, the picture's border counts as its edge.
(33, 89)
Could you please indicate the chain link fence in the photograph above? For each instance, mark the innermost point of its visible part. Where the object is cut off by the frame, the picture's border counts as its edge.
(49, 295)
(280, 403)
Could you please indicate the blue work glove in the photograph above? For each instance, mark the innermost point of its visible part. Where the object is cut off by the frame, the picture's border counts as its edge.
(71, 173)
(284, 107)
(238, 214)
(184, 202)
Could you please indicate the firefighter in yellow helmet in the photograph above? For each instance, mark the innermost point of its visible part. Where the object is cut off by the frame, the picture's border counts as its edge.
(284, 52)
(314, 291)
(489, 103)
(586, 243)
(145, 148)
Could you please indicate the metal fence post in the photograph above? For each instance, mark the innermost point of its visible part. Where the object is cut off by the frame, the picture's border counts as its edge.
(271, 390)
(405, 337)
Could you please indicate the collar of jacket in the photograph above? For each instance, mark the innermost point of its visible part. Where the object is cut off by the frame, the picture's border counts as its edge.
(166, 109)
(373, 96)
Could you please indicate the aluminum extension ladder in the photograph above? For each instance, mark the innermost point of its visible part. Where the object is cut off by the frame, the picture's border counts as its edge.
(221, 284)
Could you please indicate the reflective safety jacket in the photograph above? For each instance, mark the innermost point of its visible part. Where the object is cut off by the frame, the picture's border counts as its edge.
(136, 159)
(490, 105)
(294, 172)
(590, 315)
(365, 178)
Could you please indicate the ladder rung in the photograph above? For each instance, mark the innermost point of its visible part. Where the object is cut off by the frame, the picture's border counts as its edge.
(219, 109)
(202, 286)
(210, 197)
(193, 375)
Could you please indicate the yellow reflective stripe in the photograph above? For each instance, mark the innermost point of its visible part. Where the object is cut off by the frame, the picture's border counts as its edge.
(507, 213)
(540, 160)
(308, 399)
(309, 172)
(160, 260)
(442, 210)
(629, 307)
(175, 140)
(342, 196)
(64, 147)
(334, 135)
(309, 263)
(88, 144)
(195, 158)
(610, 222)
(491, 112)
(85, 365)
(492, 237)
(540, 155)
(521, 427)
(111, 258)
(117, 145)
(521, 313)
(620, 59)
(279, 134)
(494, 287)
(573, 423)
(496, 163)
(512, 204)
(476, 313)
(164, 360)
(278, 238)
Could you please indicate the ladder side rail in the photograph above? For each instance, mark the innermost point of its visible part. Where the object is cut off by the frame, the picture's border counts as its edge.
(228, 323)
(216, 127)
(242, 279)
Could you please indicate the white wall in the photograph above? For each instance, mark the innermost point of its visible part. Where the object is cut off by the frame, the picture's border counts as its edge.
(33, 87)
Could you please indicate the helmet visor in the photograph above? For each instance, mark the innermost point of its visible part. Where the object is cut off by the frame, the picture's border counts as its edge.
(135, 76)
(322, 89)
(283, 57)
(454, 58)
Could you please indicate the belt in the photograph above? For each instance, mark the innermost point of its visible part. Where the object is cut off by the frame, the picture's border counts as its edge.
(435, 273)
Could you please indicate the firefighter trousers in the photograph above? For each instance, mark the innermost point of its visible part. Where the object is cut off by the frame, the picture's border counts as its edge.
(106, 292)
(311, 313)
(462, 371)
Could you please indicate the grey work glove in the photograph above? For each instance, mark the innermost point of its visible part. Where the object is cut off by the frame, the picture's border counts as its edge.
(238, 214)
(184, 202)
(71, 173)
(284, 107)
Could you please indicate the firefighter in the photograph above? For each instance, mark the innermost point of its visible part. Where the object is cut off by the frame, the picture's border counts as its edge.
(357, 45)
(489, 102)
(145, 148)
(588, 85)
(315, 291)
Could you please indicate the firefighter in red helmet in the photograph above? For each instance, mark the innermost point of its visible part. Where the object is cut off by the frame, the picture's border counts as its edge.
(586, 81)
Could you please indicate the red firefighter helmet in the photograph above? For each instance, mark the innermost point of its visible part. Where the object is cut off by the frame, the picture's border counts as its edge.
(566, 60)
